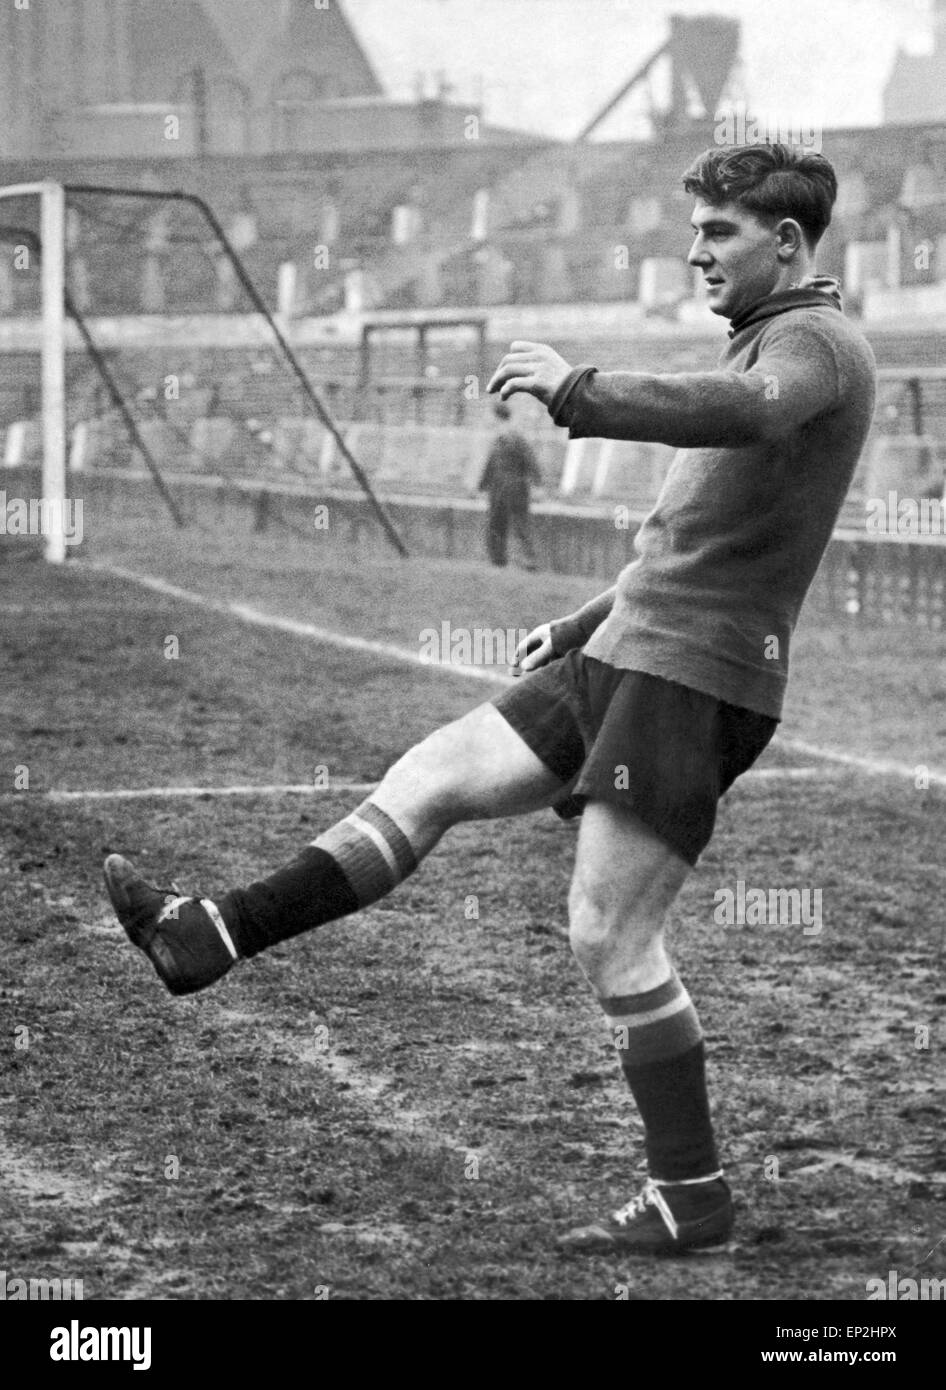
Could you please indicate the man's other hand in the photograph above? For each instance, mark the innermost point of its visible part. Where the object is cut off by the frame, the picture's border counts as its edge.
(534, 651)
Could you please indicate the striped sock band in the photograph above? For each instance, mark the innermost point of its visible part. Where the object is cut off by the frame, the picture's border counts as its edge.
(648, 1027)
(660, 1043)
(352, 865)
(372, 852)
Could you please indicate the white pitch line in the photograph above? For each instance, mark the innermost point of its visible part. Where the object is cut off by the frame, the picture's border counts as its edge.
(22, 1175)
(375, 1089)
(158, 793)
(874, 767)
(789, 774)
(257, 618)
(251, 789)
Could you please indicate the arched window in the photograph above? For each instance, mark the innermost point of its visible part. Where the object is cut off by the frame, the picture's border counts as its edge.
(293, 96)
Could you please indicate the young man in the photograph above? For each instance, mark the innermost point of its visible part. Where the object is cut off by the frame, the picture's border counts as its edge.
(669, 685)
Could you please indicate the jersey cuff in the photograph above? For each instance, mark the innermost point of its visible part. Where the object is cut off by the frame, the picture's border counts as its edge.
(559, 407)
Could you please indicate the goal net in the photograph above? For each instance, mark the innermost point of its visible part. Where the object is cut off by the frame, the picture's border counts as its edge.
(144, 360)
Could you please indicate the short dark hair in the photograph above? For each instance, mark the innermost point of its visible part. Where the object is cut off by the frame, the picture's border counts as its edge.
(771, 181)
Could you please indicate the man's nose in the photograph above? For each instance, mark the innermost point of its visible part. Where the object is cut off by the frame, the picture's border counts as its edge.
(699, 255)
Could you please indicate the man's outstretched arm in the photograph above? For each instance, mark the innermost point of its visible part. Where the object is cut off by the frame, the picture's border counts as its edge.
(794, 379)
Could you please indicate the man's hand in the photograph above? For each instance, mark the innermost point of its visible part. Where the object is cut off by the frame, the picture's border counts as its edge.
(534, 651)
(531, 367)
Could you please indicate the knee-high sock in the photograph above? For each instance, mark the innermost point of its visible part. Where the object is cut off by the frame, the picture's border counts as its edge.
(350, 866)
(660, 1045)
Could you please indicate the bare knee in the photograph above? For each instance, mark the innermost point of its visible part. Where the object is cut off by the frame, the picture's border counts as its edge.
(625, 880)
(420, 784)
(592, 925)
(618, 946)
(424, 787)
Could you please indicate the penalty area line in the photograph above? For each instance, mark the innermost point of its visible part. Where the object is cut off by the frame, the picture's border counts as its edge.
(159, 793)
(873, 767)
(255, 617)
(251, 789)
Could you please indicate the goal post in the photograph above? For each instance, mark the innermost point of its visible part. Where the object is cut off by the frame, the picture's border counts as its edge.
(65, 213)
(52, 221)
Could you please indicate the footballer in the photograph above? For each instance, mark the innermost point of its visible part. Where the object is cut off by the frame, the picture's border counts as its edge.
(641, 709)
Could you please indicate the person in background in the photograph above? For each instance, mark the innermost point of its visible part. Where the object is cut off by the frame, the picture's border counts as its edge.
(511, 470)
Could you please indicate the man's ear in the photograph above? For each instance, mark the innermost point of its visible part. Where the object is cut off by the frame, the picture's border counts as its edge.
(791, 239)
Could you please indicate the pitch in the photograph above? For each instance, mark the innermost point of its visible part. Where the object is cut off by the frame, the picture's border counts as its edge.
(412, 1105)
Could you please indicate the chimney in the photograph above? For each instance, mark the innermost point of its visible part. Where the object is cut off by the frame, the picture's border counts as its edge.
(939, 26)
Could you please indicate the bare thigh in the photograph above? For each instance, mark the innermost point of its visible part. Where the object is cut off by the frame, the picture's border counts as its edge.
(477, 768)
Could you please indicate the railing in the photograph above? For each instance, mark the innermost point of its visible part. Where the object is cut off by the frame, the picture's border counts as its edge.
(885, 579)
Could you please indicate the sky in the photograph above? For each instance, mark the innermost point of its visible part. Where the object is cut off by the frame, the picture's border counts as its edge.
(548, 65)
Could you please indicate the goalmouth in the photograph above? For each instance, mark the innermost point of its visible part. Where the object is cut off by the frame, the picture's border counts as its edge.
(52, 247)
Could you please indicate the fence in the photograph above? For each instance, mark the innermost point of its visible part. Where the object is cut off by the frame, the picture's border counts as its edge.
(863, 578)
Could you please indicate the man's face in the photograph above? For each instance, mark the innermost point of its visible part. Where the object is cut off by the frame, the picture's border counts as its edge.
(737, 254)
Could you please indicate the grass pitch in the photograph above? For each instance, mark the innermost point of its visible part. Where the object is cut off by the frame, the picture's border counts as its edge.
(411, 1104)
